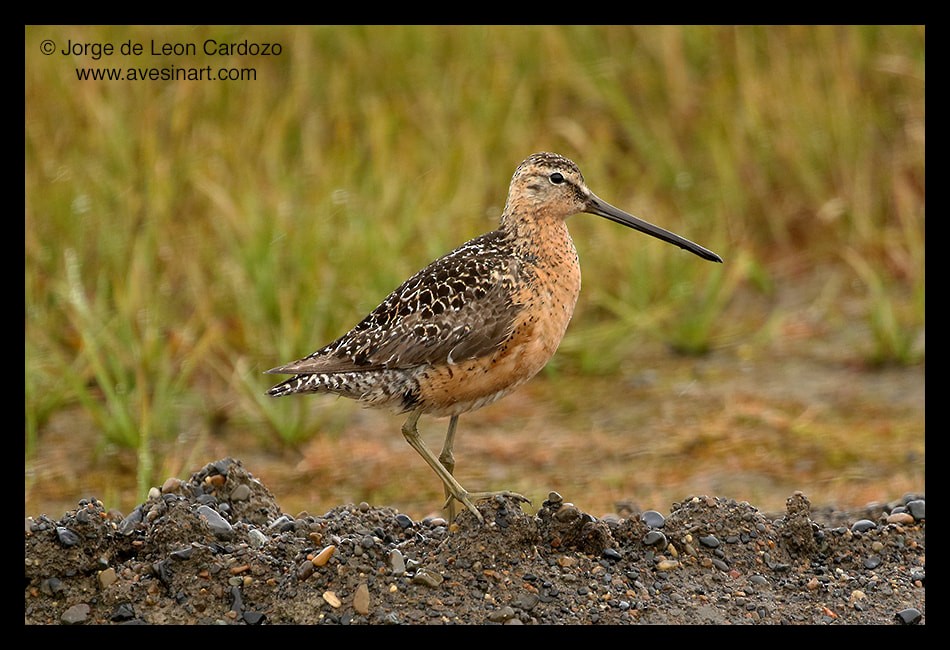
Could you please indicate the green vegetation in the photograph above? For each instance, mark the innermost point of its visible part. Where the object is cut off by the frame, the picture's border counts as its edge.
(183, 236)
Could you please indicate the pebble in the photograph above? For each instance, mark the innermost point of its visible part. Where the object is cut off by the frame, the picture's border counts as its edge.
(567, 512)
(916, 508)
(254, 618)
(305, 570)
(66, 537)
(241, 492)
(361, 599)
(900, 518)
(332, 599)
(652, 518)
(171, 484)
(324, 556)
(404, 521)
(501, 615)
(280, 522)
(107, 577)
(122, 612)
(256, 538)
(75, 614)
(127, 525)
(218, 524)
(526, 601)
(397, 562)
(611, 554)
(667, 565)
(427, 577)
(909, 616)
(655, 538)
(872, 562)
(182, 553)
(862, 525)
(52, 586)
(709, 541)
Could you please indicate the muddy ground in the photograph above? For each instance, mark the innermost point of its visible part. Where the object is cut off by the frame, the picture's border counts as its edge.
(217, 549)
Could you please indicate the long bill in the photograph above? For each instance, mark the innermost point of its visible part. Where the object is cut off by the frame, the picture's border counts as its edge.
(603, 209)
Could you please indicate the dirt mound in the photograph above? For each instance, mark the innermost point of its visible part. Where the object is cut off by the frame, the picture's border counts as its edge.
(217, 549)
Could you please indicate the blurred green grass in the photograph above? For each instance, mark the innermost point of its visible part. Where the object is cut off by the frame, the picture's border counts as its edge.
(181, 237)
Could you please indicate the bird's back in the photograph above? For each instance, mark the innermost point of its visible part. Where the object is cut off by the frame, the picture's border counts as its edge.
(459, 309)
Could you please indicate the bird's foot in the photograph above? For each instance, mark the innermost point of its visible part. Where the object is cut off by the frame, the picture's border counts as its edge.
(468, 500)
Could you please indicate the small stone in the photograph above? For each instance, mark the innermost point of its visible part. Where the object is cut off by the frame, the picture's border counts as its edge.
(241, 492)
(909, 616)
(280, 523)
(397, 562)
(667, 565)
(218, 524)
(361, 599)
(567, 512)
(655, 538)
(324, 556)
(403, 521)
(526, 600)
(66, 537)
(611, 554)
(501, 615)
(332, 599)
(75, 614)
(154, 492)
(127, 526)
(182, 553)
(709, 541)
(256, 538)
(305, 570)
(107, 577)
(862, 525)
(170, 485)
(916, 508)
(872, 562)
(52, 586)
(652, 518)
(904, 518)
(427, 577)
(122, 612)
(254, 618)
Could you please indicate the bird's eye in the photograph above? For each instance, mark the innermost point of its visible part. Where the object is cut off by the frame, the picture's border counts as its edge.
(556, 178)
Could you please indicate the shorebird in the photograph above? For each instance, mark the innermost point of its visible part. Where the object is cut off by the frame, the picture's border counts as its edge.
(475, 324)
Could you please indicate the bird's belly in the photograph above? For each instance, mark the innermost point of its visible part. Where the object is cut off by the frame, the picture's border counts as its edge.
(466, 385)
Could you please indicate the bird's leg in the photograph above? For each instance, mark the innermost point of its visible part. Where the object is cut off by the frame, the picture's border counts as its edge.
(452, 487)
(448, 461)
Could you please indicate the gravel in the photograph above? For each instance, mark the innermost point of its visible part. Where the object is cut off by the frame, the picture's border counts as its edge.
(216, 549)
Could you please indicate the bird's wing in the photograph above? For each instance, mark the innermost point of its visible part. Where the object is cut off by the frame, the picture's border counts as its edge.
(461, 306)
